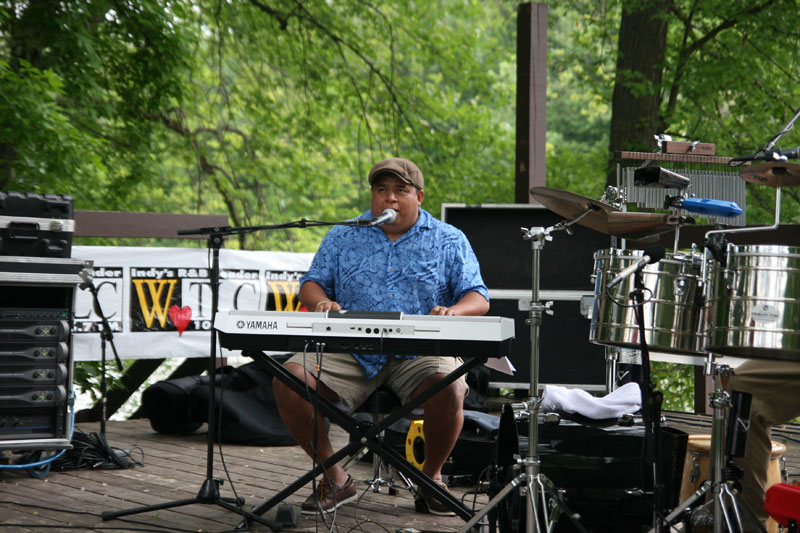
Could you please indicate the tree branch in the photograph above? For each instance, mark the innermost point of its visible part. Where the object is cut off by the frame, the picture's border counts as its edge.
(301, 13)
(687, 52)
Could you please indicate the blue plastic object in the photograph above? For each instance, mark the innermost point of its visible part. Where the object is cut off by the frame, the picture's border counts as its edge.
(705, 206)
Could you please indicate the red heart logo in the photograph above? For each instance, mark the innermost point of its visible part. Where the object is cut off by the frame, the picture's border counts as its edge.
(180, 317)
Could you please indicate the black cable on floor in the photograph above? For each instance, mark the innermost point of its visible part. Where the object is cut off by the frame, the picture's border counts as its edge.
(92, 452)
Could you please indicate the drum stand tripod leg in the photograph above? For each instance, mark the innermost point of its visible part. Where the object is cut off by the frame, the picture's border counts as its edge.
(724, 497)
(725, 514)
(676, 514)
(727, 511)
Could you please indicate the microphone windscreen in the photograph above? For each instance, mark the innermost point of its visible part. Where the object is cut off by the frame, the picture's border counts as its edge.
(655, 252)
(391, 213)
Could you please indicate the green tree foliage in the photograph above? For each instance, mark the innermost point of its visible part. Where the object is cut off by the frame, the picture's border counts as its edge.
(80, 82)
(292, 102)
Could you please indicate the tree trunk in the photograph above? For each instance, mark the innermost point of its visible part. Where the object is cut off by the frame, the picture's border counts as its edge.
(635, 103)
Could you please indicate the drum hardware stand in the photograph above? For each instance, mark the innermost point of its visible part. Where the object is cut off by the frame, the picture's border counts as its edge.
(614, 357)
(719, 401)
(537, 489)
(745, 229)
(726, 509)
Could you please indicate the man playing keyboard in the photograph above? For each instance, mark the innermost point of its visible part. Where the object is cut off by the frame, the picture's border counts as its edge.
(415, 264)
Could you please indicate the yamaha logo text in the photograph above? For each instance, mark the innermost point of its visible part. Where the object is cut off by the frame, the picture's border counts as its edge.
(258, 324)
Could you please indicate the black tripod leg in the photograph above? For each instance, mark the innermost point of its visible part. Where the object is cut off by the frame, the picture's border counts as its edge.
(676, 513)
(226, 503)
(560, 506)
(111, 515)
(494, 502)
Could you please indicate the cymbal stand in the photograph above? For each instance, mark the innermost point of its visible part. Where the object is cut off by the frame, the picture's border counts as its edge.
(541, 495)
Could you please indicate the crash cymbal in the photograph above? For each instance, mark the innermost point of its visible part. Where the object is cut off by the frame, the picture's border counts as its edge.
(605, 218)
(774, 174)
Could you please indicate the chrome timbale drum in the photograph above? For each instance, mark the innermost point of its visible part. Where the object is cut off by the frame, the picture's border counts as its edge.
(754, 303)
(673, 308)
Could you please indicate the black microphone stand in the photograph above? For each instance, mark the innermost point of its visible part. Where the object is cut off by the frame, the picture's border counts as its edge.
(767, 149)
(106, 336)
(651, 406)
(209, 492)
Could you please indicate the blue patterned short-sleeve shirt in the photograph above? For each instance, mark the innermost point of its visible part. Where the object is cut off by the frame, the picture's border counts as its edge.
(363, 270)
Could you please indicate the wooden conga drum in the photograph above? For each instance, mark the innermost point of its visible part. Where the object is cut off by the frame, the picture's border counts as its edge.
(696, 465)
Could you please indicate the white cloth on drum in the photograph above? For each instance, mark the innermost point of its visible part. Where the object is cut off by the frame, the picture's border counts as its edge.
(625, 400)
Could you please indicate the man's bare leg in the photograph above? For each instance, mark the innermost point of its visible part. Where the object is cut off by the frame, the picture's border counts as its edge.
(297, 414)
(442, 423)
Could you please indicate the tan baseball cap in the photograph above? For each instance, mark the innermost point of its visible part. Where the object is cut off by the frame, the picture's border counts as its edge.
(402, 168)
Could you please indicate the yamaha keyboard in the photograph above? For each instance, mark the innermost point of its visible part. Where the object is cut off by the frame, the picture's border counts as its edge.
(366, 332)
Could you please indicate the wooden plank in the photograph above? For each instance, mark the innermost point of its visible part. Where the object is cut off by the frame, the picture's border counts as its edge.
(685, 147)
(174, 468)
(684, 158)
(153, 225)
(250, 468)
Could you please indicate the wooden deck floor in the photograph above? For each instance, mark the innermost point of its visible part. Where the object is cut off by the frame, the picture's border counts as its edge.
(175, 468)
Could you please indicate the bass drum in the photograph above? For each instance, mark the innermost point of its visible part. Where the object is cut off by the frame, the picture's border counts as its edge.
(754, 303)
(673, 308)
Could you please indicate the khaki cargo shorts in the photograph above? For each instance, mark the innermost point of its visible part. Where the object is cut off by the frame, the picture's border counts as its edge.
(344, 375)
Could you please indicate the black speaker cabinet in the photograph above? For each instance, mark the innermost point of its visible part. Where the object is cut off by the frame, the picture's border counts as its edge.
(566, 262)
(38, 225)
(566, 357)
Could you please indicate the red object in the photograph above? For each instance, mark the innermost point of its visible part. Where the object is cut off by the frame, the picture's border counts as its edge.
(180, 316)
(782, 502)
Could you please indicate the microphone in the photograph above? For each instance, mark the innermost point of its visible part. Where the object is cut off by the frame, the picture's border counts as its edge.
(388, 215)
(653, 254)
(771, 155)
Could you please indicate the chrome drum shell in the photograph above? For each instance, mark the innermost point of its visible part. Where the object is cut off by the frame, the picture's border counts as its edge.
(673, 308)
(754, 303)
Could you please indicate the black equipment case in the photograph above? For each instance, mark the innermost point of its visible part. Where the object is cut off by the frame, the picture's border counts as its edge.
(38, 225)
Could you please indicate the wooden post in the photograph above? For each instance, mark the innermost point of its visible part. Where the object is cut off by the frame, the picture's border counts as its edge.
(530, 169)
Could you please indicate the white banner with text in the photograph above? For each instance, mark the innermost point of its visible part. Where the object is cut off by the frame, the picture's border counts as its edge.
(158, 300)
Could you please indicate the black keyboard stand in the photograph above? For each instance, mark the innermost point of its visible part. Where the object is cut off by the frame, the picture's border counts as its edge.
(366, 438)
